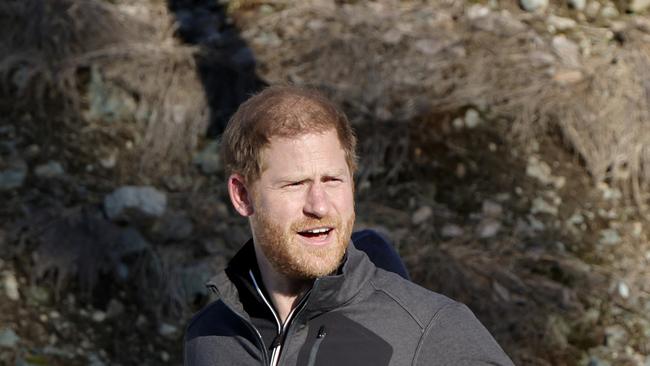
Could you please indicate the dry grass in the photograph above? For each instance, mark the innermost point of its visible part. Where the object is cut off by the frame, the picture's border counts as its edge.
(395, 61)
(48, 47)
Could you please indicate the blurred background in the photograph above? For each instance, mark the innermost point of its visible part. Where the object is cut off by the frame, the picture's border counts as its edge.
(505, 151)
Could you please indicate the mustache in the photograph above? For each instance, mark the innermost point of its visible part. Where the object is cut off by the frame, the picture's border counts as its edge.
(310, 223)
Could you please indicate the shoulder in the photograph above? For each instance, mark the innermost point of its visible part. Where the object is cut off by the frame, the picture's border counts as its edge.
(421, 304)
(456, 337)
(212, 319)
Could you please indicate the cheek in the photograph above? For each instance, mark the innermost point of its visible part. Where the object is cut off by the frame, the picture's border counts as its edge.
(344, 199)
(282, 206)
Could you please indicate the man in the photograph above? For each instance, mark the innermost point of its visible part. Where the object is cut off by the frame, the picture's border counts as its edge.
(297, 293)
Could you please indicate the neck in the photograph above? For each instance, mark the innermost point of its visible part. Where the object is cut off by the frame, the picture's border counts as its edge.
(284, 292)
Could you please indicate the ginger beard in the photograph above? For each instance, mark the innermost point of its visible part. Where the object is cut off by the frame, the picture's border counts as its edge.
(288, 256)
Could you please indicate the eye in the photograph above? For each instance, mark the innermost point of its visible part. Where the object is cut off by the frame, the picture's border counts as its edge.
(332, 180)
(293, 184)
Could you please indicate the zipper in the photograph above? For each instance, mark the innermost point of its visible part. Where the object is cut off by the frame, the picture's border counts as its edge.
(278, 341)
(251, 327)
(300, 306)
(314, 349)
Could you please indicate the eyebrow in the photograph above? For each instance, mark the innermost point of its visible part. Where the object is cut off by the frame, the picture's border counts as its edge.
(301, 177)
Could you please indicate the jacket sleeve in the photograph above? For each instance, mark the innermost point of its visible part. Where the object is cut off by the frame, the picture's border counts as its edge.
(455, 337)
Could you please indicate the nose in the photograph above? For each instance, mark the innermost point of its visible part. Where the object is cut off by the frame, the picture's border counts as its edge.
(317, 203)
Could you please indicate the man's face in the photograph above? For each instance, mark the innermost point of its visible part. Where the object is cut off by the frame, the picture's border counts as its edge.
(303, 205)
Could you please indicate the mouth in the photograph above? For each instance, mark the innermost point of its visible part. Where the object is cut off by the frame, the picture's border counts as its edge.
(317, 235)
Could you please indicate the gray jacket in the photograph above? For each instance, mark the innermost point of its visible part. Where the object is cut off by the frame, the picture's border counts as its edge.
(361, 316)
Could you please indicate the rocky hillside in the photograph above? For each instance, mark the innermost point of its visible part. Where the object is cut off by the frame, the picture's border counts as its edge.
(504, 151)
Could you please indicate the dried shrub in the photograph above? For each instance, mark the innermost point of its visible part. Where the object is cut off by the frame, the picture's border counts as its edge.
(391, 62)
(84, 252)
(53, 51)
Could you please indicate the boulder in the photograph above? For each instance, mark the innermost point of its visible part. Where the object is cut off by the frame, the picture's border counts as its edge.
(637, 6)
(8, 338)
(533, 5)
(13, 175)
(130, 203)
(51, 169)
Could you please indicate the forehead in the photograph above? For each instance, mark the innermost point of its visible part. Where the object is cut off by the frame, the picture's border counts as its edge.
(303, 153)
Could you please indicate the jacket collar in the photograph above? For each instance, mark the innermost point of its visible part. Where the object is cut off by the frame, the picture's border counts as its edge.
(327, 293)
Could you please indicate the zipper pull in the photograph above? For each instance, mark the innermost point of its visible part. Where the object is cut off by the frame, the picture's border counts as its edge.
(321, 332)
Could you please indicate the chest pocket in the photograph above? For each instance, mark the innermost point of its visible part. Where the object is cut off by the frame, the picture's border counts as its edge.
(334, 339)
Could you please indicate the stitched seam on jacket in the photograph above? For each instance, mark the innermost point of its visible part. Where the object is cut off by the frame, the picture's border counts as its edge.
(426, 332)
(394, 298)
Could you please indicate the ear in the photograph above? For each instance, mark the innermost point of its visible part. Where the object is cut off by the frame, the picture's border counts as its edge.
(240, 195)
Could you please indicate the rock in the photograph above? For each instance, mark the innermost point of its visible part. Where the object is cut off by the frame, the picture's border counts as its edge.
(560, 23)
(10, 285)
(615, 335)
(141, 321)
(623, 290)
(577, 4)
(8, 338)
(429, 46)
(167, 330)
(164, 356)
(109, 160)
(477, 11)
(488, 228)
(567, 77)
(130, 241)
(108, 102)
(472, 118)
(461, 171)
(94, 360)
(38, 295)
(609, 237)
(132, 202)
(174, 226)
(593, 9)
(596, 361)
(51, 169)
(491, 209)
(58, 352)
(535, 224)
(541, 171)
(422, 214)
(393, 36)
(576, 220)
(609, 193)
(451, 231)
(13, 176)
(267, 39)
(609, 11)
(177, 183)
(114, 309)
(541, 206)
(533, 5)
(637, 229)
(566, 50)
(98, 316)
(209, 160)
(194, 278)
